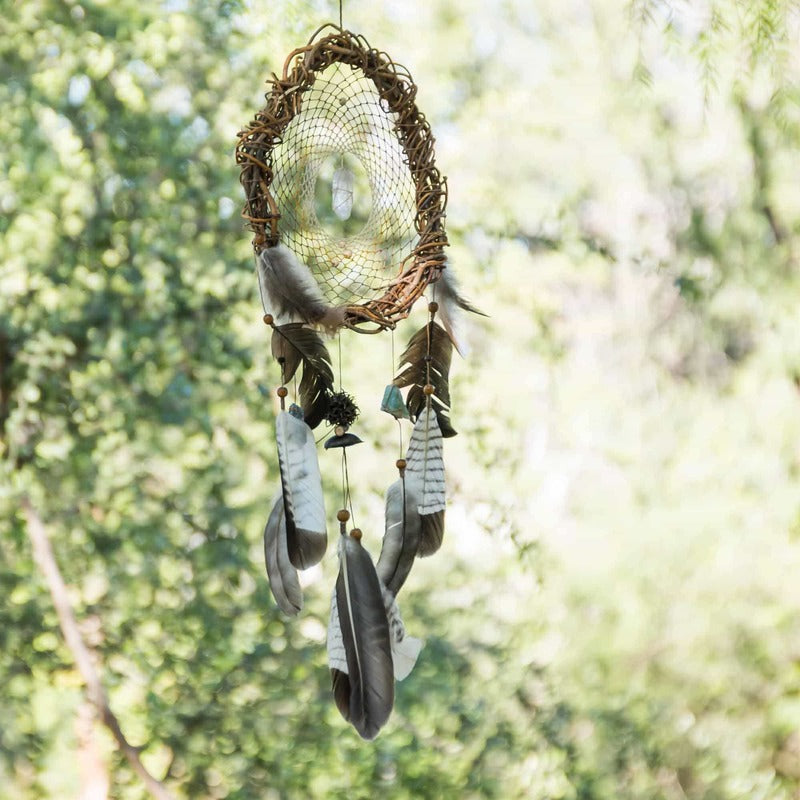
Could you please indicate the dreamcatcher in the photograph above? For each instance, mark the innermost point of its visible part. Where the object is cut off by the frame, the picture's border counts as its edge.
(348, 208)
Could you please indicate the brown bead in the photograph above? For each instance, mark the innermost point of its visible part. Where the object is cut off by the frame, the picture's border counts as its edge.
(268, 319)
(428, 388)
(433, 307)
(356, 534)
(343, 515)
(282, 391)
(400, 463)
(339, 430)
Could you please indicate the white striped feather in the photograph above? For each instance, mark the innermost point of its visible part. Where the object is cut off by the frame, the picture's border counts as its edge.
(425, 464)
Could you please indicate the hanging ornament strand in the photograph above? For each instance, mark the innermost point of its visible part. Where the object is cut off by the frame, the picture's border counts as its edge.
(339, 249)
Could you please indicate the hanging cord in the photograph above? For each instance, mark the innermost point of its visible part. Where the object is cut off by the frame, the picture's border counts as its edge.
(391, 376)
(345, 487)
(340, 14)
(433, 307)
(339, 340)
(347, 500)
(391, 381)
(260, 287)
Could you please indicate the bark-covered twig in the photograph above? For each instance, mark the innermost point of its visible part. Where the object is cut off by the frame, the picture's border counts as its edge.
(45, 560)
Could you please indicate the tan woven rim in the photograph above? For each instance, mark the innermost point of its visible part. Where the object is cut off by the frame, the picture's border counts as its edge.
(395, 86)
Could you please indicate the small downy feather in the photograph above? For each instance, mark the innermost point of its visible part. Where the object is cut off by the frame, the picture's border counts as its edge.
(431, 338)
(337, 661)
(405, 649)
(363, 682)
(445, 292)
(402, 534)
(303, 500)
(283, 581)
(425, 472)
(291, 292)
(295, 344)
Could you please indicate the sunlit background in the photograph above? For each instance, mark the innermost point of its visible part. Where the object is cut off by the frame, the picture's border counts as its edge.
(615, 612)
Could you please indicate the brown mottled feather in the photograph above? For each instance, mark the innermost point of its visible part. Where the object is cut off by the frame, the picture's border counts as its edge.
(415, 374)
(298, 344)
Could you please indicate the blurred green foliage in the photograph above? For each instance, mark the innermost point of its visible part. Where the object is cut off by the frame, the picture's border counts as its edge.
(614, 614)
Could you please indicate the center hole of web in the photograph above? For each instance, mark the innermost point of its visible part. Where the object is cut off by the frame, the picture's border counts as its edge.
(342, 195)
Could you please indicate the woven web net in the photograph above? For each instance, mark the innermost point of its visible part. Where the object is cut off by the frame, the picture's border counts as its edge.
(343, 125)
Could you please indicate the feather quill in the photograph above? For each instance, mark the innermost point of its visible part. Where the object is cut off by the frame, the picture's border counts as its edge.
(294, 344)
(425, 473)
(401, 536)
(283, 580)
(303, 501)
(291, 292)
(451, 303)
(434, 339)
(363, 680)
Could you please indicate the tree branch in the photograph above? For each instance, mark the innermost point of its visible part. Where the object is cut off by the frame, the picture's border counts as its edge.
(45, 559)
(761, 170)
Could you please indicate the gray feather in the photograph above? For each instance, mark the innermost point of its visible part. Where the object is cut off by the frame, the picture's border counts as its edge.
(290, 291)
(283, 580)
(451, 303)
(301, 483)
(402, 534)
(369, 684)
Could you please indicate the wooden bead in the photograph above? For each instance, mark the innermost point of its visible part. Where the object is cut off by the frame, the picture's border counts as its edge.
(356, 534)
(339, 430)
(400, 463)
(433, 307)
(343, 515)
(282, 391)
(268, 319)
(428, 388)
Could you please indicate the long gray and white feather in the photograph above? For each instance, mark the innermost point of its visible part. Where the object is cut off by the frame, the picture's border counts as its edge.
(303, 499)
(283, 580)
(401, 535)
(364, 693)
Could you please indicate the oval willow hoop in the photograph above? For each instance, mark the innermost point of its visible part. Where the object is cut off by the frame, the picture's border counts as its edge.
(398, 92)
